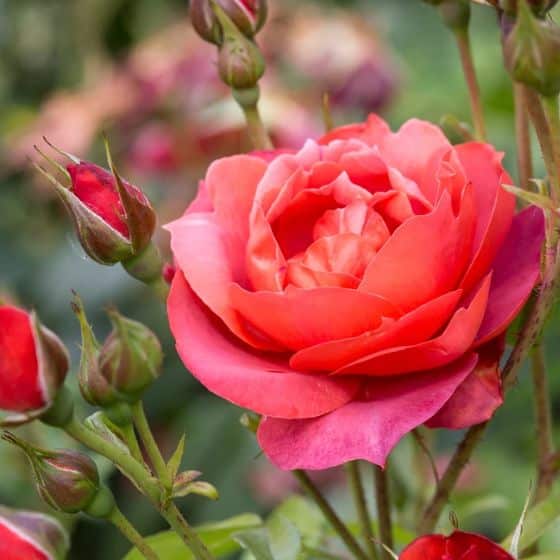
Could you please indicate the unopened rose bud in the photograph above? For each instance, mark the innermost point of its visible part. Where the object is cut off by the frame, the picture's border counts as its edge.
(67, 480)
(121, 369)
(29, 535)
(240, 63)
(247, 15)
(33, 366)
(114, 220)
(532, 52)
(131, 357)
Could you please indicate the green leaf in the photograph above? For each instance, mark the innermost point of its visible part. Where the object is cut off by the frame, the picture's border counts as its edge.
(218, 537)
(538, 520)
(306, 517)
(493, 502)
(285, 540)
(175, 461)
(256, 541)
(198, 487)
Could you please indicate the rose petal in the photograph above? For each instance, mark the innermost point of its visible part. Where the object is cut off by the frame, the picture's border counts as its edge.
(17, 545)
(414, 327)
(363, 429)
(201, 202)
(373, 131)
(478, 397)
(454, 341)
(427, 547)
(425, 257)
(459, 542)
(516, 269)
(297, 318)
(252, 380)
(494, 207)
(20, 386)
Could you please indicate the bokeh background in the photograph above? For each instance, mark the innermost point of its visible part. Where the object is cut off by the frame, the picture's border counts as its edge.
(70, 69)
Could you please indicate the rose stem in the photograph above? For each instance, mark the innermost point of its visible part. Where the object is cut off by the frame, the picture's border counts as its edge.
(142, 478)
(125, 527)
(383, 501)
(169, 510)
(522, 135)
(535, 318)
(248, 100)
(357, 487)
(132, 442)
(465, 53)
(330, 515)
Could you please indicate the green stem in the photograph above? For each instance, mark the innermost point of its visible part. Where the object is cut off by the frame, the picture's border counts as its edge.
(160, 288)
(125, 527)
(248, 100)
(357, 487)
(552, 114)
(522, 136)
(465, 53)
(330, 515)
(150, 444)
(132, 441)
(383, 501)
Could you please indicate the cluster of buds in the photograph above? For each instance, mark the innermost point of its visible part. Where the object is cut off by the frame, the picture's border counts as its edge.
(114, 220)
(31, 536)
(33, 366)
(232, 25)
(123, 367)
(532, 49)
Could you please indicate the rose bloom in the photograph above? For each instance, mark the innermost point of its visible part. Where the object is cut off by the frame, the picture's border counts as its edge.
(458, 546)
(353, 290)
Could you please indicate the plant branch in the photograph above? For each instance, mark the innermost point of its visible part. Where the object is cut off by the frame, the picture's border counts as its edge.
(330, 515)
(465, 53)
(125, 527)
(522, 136)
(132, 442)
(383, 501)
(357, 487)
(248, 101)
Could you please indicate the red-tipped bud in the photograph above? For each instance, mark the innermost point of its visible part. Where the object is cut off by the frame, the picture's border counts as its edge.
(33, 365)
(247, 15)
(458, 546)
(532, 52)
(114, 220)
(123, 367)
(31, 536)
(67, 480)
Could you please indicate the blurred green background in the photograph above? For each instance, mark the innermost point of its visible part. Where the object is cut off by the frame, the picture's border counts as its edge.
(54, 46)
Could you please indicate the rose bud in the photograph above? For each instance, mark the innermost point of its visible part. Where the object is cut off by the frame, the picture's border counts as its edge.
(114, 220)
(67, 480)
(458, 546)
(247, 15)
(33, 365)
(30, 535)
(532, 50)
(540, 7)
(123, 367)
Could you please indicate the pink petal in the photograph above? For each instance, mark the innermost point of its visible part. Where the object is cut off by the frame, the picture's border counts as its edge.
(414, 327)
(516, 269)
(478, 397)
(263, 383)
(363, 429)
(453, 342)
(201, 202)
(297, 318)
(494, 207)
(425, 257)
(372, 132)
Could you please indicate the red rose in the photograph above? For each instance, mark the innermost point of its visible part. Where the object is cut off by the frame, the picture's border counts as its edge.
(31, 536)
(33, 365)
(458, 546)
(354, 290)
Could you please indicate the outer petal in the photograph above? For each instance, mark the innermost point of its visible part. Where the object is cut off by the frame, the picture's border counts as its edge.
(478, 397)
(20, 385)
(516, 269)
(427, 547)
(414, 327)
(433, 247)
(363, 429)
(494, 206)
(297, 318)
(460, 542)
(454, 341)
(251, 380)
(17, 546)
(372, 132)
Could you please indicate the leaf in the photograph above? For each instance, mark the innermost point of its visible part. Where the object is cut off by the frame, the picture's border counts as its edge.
(217, 537)
(306, 517)
(285, 540)
(515, 539)
(538, 520)
(175, 461)
(198, 487)
(493, 502)
(540, 200)
(256, 541)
